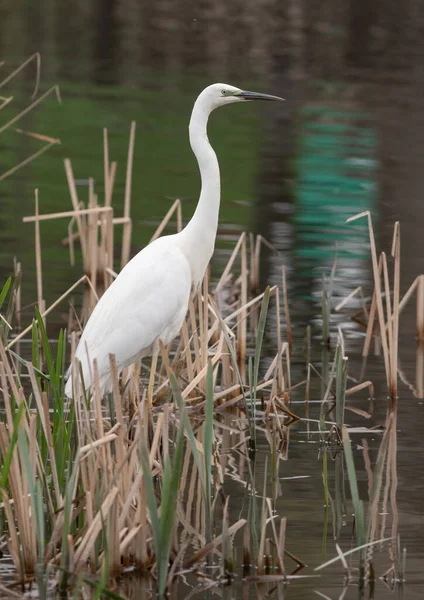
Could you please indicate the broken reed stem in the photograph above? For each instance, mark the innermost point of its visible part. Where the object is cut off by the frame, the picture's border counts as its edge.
(377, 286)
(8, 325)
(108, 195)
(388, 303)
(48, 310)
(370, 326)
(176, 206)
(78, 212)
(254, 262)
(109, 249)
(242, 325)
(92, 244)
(112, 176)
(26, 110)
(38, 266)
(38, 136)
(340, 305)
(200, 554)
(420, 308)
(36, 56)
(223, 279)
(5, 102)
(395, 322)
(279, 364)
(29, 159)
(286, 310)
(179, 217)
(75, 203)
(126, 239)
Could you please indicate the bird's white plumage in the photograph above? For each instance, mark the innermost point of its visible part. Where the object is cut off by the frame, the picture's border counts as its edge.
(148, 300)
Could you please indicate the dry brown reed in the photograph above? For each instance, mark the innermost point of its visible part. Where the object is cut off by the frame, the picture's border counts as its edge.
(102, 501)
(95, 225)
(387, 305)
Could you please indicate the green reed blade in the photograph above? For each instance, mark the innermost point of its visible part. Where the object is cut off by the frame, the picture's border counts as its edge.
(46, 345)
(36, 495)
(4, 291)
(150, 493)
(358, 507)
(341, 379)
(4, 477)
(187, 427)
(170, 489)
(350, 467)
(67, 522)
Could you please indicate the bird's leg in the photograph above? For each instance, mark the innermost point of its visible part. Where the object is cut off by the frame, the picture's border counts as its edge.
(152, 379)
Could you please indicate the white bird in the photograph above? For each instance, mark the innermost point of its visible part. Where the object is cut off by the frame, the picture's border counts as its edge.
(148, 301)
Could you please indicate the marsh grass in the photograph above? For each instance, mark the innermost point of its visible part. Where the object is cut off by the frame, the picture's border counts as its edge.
(94, 487)
(84, 487)
(371, 526)
(89, 488)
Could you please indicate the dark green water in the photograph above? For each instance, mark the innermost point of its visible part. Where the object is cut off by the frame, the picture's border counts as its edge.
(350, 138)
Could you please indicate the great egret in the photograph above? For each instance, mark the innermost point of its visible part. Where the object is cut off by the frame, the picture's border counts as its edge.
(148, 301)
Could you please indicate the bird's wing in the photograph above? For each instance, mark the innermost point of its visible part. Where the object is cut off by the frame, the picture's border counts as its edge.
(148, 300)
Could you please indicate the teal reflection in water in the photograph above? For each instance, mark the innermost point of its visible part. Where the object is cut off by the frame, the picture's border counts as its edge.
(336, 179)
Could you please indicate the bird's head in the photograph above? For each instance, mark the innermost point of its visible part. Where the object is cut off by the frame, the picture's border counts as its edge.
(220, 94)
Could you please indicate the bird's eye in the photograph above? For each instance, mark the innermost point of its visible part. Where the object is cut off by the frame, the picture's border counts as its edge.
(224, 92)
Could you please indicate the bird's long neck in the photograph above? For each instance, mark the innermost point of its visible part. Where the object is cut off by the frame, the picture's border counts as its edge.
(200, 233)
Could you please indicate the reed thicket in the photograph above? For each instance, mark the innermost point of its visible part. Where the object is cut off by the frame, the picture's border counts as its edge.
(92, 487)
